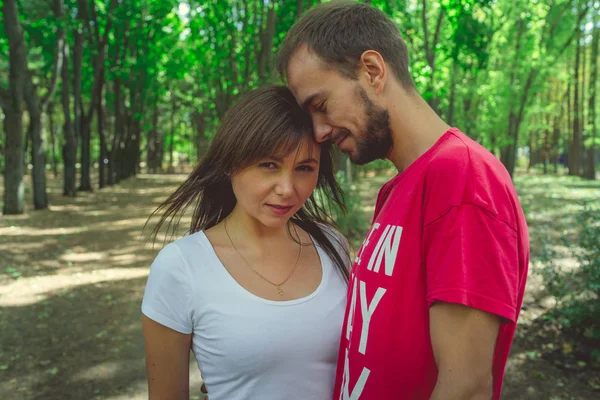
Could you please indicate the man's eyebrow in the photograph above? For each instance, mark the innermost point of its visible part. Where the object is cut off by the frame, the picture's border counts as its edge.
(309, 100)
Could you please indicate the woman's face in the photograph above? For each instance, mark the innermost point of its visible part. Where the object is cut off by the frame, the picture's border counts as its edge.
(272, 190)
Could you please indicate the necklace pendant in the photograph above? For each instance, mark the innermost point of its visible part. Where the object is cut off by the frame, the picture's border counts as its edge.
(279, 291)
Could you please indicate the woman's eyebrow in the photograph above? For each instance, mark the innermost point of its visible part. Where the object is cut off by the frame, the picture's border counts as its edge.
(308, 161)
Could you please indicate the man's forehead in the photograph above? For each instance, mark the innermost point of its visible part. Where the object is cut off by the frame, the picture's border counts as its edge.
(305, 72)
(304, 65)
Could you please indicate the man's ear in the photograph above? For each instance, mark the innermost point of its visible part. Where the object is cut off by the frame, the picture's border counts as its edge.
(373, 68)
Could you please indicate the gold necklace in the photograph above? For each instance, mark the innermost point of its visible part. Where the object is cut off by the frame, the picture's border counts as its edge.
(277, 285)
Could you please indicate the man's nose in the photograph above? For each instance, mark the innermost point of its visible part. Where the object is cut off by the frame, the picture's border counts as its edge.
(321, 129)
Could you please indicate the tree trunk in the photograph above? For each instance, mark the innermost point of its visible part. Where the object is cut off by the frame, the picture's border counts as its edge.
(509, 153)
(532, 150)
(266, 53)
(555, 138)
(98, 85)
(52, 129)
(38, 155)
(576, 143)
(103, 161)
(202, 142)
(85, 183)
(77, 71)
(135, 148)
(453, 78)
(69, 149)
(13, 111)
(590, 165)
(171, 167)
(506, 156)
(37, 108)
(114, 168)
(152, 151)
(14, 155)
(582, 105)
(26, 150)
(82, 122)
(430, 52)
(547, 145)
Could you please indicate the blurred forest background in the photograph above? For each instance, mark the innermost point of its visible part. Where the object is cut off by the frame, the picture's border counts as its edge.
(105, 106)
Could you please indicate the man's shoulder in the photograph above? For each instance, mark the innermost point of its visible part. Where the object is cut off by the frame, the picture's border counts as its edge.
(460, 157)
(464, 172)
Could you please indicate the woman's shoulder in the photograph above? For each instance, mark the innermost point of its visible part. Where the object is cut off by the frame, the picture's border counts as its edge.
(183, 251)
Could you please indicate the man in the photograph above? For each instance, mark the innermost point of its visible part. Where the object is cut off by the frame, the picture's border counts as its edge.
(437, 285)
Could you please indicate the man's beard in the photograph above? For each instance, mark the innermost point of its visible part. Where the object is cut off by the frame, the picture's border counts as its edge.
(376, 140)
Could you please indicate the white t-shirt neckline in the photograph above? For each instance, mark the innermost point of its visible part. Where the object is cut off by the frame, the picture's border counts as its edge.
(202, 238)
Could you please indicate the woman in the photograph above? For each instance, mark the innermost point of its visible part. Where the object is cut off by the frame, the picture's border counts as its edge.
(257, 290)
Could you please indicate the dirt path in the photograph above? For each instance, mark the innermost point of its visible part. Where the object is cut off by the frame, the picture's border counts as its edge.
(71, 282)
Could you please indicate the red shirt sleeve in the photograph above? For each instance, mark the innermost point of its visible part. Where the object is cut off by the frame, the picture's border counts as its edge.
(471, 258)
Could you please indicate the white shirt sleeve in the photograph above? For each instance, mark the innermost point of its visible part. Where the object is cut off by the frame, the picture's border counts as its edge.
(169, 294)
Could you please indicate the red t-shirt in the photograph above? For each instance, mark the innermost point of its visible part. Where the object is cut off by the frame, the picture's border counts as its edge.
(450, 229)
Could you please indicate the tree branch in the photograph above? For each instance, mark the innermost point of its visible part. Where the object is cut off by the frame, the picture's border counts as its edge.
(438, 28)
(557, 19)
(109, 21)
(59, 13)
(574, 34)
(94, 19)
(547, 19)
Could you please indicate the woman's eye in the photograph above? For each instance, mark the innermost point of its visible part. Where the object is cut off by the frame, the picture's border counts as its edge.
(268, 165)
(305, 168)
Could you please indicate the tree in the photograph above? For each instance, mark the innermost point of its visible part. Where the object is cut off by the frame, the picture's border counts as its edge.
(592, 148)
(576, 142)
(13, 110)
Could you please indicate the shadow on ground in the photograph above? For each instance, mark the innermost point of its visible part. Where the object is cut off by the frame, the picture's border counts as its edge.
(71, 283)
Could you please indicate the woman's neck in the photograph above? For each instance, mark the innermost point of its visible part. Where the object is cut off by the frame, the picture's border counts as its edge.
(251, 230)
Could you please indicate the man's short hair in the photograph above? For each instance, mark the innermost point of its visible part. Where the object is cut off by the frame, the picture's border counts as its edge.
(340, 31)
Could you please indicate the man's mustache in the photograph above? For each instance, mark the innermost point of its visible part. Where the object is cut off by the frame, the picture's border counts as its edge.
(339, 135)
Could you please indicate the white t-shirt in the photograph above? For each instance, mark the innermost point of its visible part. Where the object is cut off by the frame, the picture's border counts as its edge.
(248, 347)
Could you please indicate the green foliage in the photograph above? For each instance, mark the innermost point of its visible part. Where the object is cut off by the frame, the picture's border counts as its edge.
(578, 291)
(377, 166)
(202, 54)
(353, 223)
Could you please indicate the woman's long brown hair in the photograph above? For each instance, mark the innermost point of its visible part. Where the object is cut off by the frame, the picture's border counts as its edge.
(263, 123)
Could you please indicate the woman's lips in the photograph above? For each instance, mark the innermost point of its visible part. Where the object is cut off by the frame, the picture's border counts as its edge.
(278, 209)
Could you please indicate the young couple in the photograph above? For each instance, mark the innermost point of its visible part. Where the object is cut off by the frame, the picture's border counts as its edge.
(263, 291)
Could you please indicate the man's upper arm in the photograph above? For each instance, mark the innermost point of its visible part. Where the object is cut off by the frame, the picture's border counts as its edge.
(463, 341)
(471, 258)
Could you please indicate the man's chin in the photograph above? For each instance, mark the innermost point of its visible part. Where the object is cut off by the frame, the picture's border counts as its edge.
(361, 159)
(354, 157)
